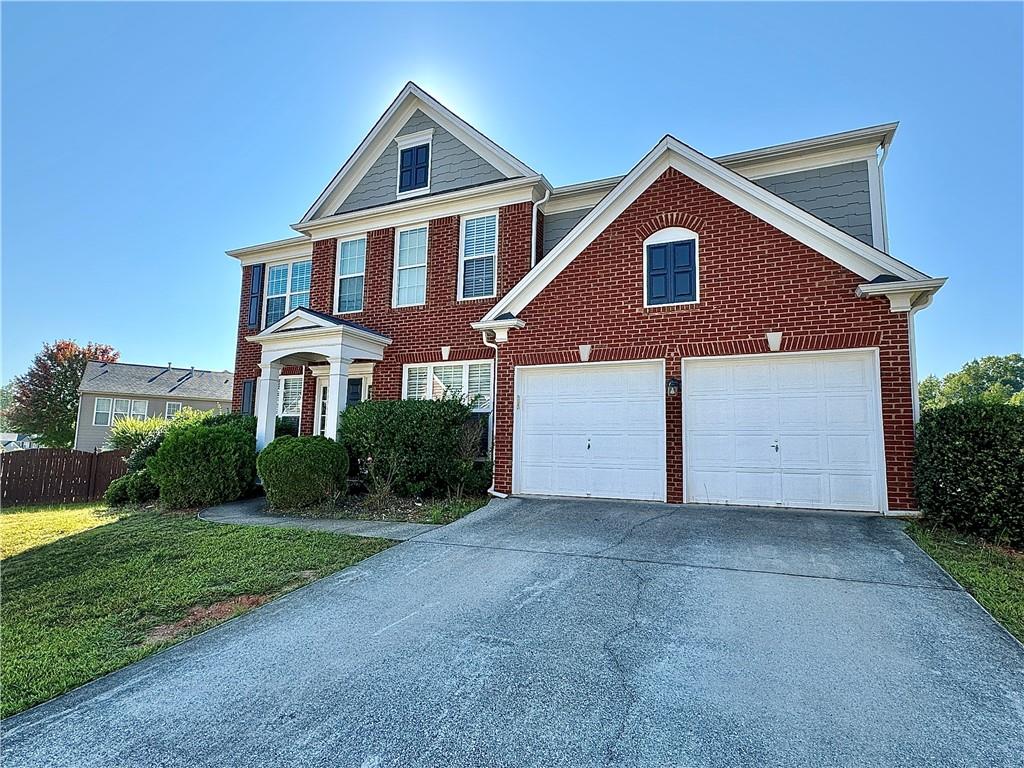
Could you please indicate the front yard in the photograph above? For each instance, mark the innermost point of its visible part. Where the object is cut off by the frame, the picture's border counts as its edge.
(993, 575)
(87, 591)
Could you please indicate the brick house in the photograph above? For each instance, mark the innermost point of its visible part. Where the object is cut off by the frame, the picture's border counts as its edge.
(727, 330)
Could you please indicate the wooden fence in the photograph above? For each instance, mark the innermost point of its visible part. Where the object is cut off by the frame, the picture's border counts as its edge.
(57, 475)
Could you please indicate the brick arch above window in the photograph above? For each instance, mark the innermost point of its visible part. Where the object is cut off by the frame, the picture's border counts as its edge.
(668, 220)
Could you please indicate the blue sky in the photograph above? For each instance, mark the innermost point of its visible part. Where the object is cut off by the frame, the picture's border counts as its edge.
(141, 141)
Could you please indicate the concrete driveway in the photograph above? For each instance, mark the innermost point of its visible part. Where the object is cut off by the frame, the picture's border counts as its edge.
(579, 633)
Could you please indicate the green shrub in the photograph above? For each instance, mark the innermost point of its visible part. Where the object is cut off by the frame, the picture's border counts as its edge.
(186, 417)
(302, 471)
(117, 492)
(969, 469)
(413, 447)
(199, 465)
(245, 423)
(127, 434)
(150, 444)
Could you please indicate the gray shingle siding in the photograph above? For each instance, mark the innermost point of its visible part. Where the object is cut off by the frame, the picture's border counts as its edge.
(557, 226)
(453, 166)
(91, 438)
(839, 194)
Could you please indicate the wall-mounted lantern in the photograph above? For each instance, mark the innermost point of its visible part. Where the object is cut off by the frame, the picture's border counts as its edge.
(672, 387)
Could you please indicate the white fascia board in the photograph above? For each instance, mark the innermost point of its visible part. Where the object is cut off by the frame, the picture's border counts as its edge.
(831, 242)
(278, 250)
(421, 209)
(172, 396)
(873, 136)
(386, 129)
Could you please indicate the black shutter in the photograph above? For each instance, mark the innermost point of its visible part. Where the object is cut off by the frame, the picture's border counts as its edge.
(255, 295)
(248, 397)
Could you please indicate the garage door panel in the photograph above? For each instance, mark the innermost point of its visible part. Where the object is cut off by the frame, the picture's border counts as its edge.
(823, 410)
(755, 412)
(606, 425)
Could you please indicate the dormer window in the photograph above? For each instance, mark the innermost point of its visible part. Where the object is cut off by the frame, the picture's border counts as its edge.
(414, 163)
(670, 268)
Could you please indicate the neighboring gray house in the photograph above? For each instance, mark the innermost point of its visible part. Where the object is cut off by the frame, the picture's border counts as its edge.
(111, 391)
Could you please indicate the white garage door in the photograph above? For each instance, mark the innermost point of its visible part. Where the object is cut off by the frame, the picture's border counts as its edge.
(792, 431)
(591, 430)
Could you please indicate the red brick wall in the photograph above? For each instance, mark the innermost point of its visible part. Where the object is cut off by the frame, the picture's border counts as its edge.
(418, 333)
(753, 279)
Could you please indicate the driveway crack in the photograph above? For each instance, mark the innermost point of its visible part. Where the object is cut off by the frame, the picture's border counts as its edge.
(633, 529)
(612, 650)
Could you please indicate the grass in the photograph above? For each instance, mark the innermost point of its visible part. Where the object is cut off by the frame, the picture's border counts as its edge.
(994, 575)
(86, 592)
(396, 509)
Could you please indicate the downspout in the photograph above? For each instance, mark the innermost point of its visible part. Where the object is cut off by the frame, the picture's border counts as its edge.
(881, 197)
(912, 340)
(533, 246)
(494, 391)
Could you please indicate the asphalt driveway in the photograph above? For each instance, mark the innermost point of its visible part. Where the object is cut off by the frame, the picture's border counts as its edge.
(556, 633)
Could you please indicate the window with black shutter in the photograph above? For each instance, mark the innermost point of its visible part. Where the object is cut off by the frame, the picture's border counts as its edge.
(255, 295)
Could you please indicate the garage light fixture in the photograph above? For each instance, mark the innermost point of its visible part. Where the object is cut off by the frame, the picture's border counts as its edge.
(672, 387)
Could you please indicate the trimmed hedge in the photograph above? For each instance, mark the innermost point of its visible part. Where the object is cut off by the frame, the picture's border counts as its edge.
(969, 469)
(186, 417)
(133, 488)
(302, 471)
(414, 447)
(127, 434)
(200, 465)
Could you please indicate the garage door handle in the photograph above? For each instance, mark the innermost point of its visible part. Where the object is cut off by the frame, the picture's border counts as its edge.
(775, 445)
(588, 443)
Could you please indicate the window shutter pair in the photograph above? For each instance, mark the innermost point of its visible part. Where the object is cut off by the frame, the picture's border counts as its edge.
(671, 273)
(249, 397)
(413, 164)
(255, 295)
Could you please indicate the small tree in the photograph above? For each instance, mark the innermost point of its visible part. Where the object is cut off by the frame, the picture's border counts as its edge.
(45, 399)
(991, 379)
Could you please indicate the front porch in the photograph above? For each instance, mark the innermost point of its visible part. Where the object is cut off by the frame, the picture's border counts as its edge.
(330, 350)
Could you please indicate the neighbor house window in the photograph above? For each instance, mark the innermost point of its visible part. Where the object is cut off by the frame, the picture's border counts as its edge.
(289, 404)
(101, 413)
(351, 267)
(670, 267)
(469, 381)
(479, 257)
(411, 267)
(171, 410)
(287, 288)
(109, 410)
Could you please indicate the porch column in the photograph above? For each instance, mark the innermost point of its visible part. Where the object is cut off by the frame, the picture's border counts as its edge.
(266, 404)
(337, 394)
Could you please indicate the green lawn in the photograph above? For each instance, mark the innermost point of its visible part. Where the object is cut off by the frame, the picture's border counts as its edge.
(86, 592)
(994, 575)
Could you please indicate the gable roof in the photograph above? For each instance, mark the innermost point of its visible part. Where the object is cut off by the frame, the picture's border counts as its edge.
(156, 381)
(306, 319)
(411, 98)
(831, 242)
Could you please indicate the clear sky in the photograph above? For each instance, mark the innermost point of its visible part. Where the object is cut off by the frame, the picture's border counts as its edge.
(141, 141)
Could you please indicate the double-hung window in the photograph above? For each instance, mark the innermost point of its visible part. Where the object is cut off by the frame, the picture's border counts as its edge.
(171, 410)
(479, 257)
(469, 381)
(411, 267)
(287, 288)
(289, 403)
(108, 410)
(351, 269)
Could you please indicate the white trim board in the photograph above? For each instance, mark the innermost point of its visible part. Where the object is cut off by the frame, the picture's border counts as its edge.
(410, 99)
(827, 240)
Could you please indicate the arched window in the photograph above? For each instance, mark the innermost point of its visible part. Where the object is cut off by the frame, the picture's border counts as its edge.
(670, 268)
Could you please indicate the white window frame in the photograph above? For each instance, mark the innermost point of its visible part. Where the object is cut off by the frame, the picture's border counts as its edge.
(462, 254)
(109, 411)
(426, 260)
(288, 290)
(280, 394)
(674, 235)
(465, 364)
(339, 276)
(408, 141)
(167, 406)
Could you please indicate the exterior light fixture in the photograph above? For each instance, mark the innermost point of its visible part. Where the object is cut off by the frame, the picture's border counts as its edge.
(672, 387)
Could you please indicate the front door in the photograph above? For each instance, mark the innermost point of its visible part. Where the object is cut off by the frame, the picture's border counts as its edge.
(354, 394)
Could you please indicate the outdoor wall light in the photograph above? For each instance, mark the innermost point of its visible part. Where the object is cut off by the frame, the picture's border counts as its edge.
(672, 387)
